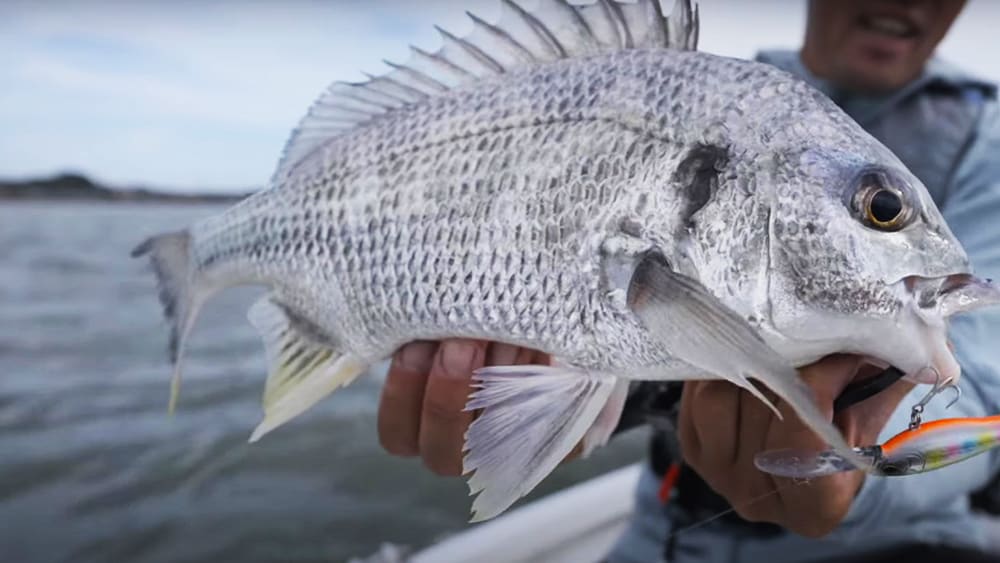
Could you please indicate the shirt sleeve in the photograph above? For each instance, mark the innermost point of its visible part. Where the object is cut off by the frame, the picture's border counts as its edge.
(972, 211)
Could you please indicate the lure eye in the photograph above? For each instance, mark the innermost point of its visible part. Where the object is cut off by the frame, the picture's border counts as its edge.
(882, 207)
(893, 469)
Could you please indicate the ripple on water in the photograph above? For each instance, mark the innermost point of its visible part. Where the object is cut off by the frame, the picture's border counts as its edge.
(93, 469)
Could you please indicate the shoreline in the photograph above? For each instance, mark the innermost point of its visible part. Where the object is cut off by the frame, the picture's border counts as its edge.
(77, 188)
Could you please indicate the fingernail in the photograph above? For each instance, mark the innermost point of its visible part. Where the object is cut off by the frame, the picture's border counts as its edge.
(457, 358)
(503, 354)
(418, 356)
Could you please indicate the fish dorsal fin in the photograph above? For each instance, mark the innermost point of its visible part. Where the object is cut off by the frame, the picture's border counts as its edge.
(552, 30)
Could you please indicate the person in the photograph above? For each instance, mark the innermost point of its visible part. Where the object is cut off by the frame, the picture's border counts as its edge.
(875, 60)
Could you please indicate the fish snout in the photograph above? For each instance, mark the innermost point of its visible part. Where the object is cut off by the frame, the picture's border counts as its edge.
(949, 295)
(934, 300)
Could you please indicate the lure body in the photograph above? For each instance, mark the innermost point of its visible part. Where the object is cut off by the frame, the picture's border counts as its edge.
(938, 444)
(927, 447)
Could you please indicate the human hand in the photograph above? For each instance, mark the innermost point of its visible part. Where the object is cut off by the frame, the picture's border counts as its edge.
(722, 427)
(421, 412)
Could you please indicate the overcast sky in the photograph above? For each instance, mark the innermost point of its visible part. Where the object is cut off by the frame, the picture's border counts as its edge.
(191, 95)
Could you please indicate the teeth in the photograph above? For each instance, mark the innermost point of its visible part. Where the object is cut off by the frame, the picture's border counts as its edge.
(889, 25)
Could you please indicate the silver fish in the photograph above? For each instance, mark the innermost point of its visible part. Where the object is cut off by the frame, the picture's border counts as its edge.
(579, 180)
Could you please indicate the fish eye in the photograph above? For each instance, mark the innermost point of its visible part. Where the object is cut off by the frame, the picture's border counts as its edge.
(882, 206)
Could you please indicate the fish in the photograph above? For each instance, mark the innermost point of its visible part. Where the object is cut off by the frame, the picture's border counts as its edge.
(581, 180)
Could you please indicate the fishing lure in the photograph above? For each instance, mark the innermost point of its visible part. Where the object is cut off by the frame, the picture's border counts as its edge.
(922, 447)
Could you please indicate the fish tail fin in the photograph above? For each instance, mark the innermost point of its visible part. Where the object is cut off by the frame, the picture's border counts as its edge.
(170, 256)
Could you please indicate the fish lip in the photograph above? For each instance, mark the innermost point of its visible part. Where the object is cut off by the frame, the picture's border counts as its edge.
(938, 298)
(956, 282)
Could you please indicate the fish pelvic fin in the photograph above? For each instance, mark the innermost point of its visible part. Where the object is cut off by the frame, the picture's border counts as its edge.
(302, 370)
(179, 292)
(607, 420)
(553, 30)
(533, 417)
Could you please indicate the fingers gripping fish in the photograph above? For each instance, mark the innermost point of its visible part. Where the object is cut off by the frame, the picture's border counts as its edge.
(579, 180)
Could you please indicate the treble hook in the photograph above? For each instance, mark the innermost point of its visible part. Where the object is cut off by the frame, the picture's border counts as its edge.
(939, 386)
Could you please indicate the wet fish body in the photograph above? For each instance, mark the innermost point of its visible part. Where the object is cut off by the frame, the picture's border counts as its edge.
(590, 187)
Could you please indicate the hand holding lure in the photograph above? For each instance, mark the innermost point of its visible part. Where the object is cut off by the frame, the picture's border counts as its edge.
(918, 449)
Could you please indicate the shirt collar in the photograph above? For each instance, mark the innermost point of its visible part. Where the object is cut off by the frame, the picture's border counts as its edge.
(863, 107)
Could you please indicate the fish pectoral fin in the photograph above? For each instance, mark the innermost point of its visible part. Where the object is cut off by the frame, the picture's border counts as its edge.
(533, 418)
(697, 328)
(301, 370)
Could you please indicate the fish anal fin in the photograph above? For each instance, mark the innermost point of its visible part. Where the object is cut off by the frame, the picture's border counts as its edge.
(301, 369)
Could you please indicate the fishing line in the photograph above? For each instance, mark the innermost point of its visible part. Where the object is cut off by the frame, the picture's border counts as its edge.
(794, 482)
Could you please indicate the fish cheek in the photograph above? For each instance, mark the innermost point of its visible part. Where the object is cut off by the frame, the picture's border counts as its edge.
(825, 269)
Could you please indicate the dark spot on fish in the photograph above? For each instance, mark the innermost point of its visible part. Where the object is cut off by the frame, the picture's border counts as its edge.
(303, 327)
(647, 152)
(630, 226)
(640, 205)
(698, 178)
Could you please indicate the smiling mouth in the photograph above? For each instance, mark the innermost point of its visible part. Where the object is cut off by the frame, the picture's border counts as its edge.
(889, 26)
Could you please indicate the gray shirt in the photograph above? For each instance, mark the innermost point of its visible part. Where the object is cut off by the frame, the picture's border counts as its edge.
(945, 126)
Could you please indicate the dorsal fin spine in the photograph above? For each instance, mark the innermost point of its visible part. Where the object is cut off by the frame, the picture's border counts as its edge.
(393, 83)
(543, 32)
(472, 50)
(345, 108)
(386, 88)
(621, 29)
(347, 90)
(578, 18)
(418, 76)
(442, 62)
(555, 30)
(502, 35)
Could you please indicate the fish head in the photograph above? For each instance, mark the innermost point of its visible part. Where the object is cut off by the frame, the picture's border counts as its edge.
(863, 262)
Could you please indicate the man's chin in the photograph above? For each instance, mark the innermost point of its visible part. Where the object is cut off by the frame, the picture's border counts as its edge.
(872, 75)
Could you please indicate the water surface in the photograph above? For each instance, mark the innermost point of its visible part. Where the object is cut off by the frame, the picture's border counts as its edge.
(93, 469)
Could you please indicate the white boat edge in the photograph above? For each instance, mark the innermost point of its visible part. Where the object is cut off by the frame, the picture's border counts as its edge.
(578, 524)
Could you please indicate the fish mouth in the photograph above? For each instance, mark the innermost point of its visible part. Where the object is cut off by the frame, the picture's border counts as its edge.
(933, 301)
(940, 298)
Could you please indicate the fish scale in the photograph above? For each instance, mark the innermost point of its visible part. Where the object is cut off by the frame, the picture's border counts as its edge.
(577, 180)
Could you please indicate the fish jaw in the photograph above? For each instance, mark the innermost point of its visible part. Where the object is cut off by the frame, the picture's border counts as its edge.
(937, 363)
(934, 301)
(945, 297)
(913, 339)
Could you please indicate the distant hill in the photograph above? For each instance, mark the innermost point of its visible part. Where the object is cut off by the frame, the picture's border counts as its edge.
(78, 187)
